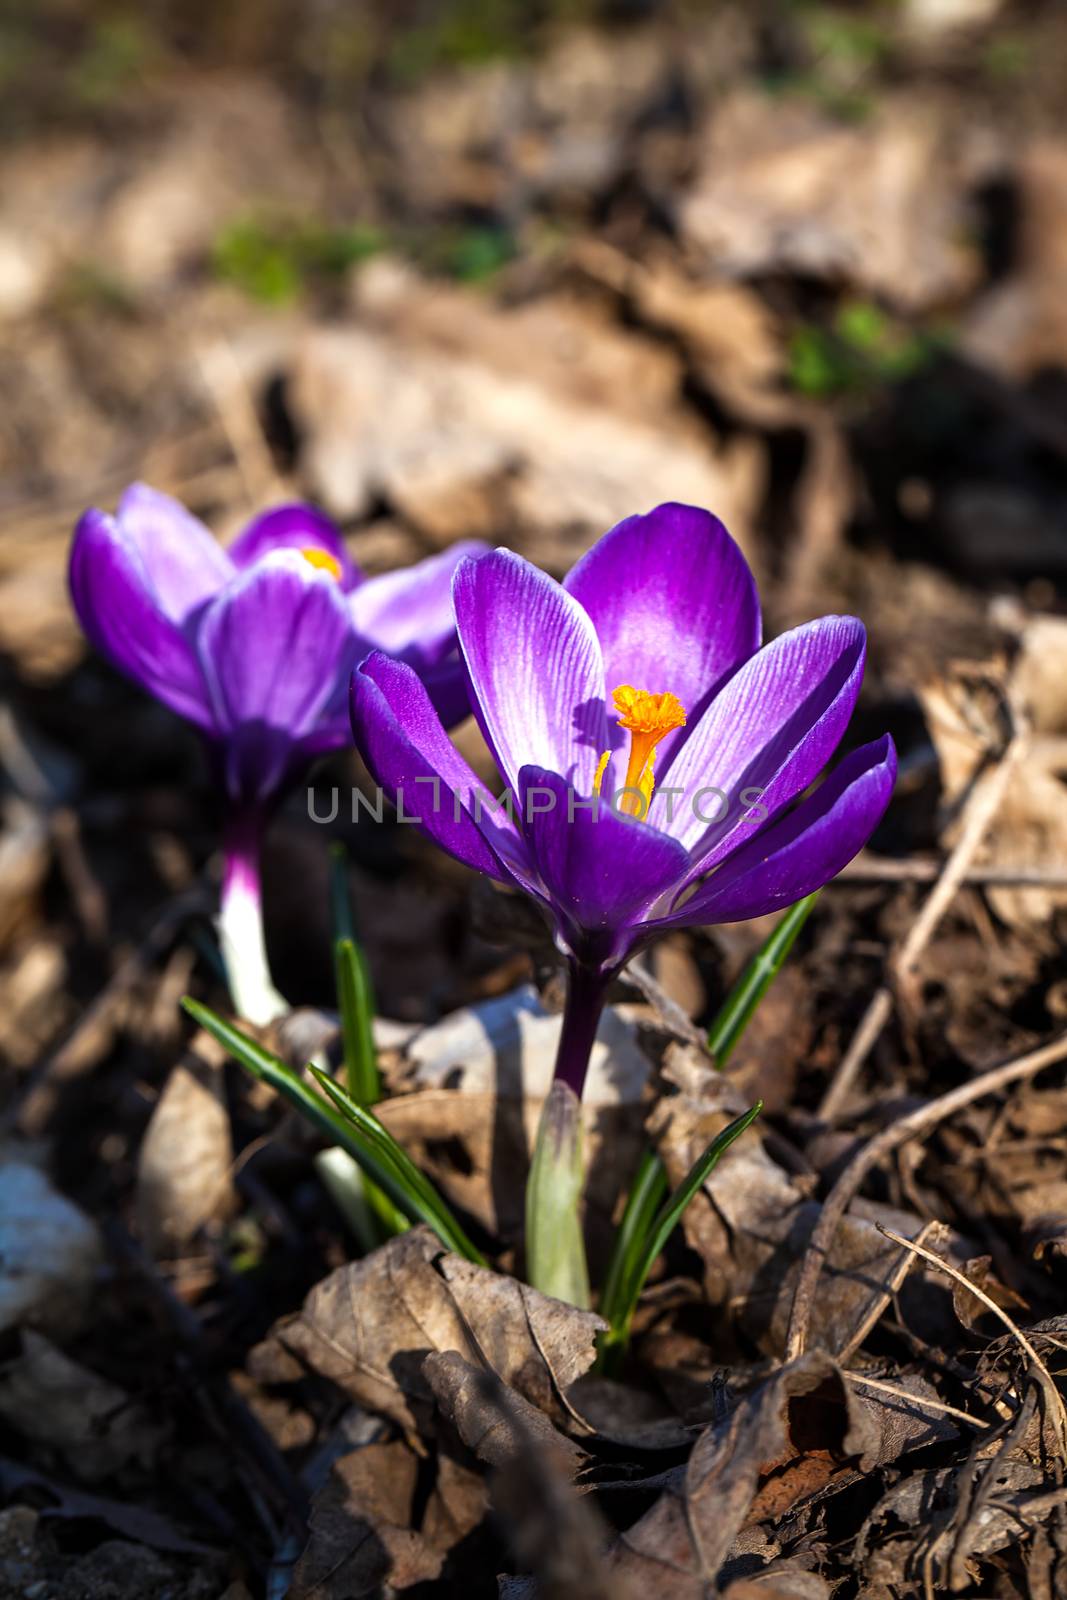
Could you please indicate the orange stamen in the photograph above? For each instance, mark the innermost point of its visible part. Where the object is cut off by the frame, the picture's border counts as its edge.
(647, 718)
(323, 560)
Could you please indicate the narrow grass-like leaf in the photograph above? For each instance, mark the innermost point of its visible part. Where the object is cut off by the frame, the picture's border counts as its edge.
(650, 1183)
(614, 1342)
(740, 1004)
(378, 1137)
(361, 1135)
(341, 918)
(355, 1000)
(646, 1194)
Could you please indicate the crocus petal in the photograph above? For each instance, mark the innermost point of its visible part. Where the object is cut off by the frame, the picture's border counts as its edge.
(408, 752)
(601, 871)
(773, 728)
(447, 686)
(409, 612)
(674, 605)
(184, 562)
(119, 611)
(273, 647)
(535, 668)
(292, 527)
(804, 849)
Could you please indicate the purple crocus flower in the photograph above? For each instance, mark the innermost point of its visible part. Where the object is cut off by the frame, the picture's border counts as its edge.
(254, 644)
(656, 759)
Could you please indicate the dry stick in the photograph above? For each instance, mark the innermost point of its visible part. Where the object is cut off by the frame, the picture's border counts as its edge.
(980, 812)
(920, 1401)
(927, 869)
(1052, 1394)
(226, 384)
(913, 1126)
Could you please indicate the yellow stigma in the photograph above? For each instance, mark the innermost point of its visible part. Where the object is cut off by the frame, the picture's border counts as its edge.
(323, 560)
(647, 718)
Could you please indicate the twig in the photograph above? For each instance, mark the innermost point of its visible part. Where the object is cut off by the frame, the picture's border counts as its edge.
(924, 1402)
(981, 809)
(1052, 1394)
(226, 384)
(927, 869)
(913, 1126)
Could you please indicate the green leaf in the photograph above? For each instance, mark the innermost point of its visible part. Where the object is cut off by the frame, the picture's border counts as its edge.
(646, 1195)
(639, 1219)
(341, 918)
(614, 1342)
(748, 991)
(352, 1128)
(422, 1192)
(356, 1001)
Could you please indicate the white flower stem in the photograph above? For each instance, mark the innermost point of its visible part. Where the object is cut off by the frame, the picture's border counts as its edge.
(240, 924)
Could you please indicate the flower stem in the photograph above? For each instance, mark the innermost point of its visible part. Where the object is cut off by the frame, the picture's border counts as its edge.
(555, 1250)
(586, 992)
(240, 923)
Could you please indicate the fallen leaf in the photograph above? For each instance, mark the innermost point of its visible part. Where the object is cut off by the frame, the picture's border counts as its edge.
(751, 1221)
(1029, 828)
(495, 1425)
(477, 1149)
(678, 1547)
(782, 187)
(369, 1327)
(361, 1536)
(186, 1158)
(55, 1401)
(546, 446)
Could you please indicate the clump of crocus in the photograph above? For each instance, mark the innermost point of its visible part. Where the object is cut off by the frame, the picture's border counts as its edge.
(656, 759)
(254, 644)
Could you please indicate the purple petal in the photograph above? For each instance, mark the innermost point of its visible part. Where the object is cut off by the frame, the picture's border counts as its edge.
(448, 689)
(773, 728)
(185, 564)
(804, 849)
(409, 612)
(408, 752)
(535, 667)
(673, 603)
(602, 872)
(273, 647)
(293, 527)
(120, 613)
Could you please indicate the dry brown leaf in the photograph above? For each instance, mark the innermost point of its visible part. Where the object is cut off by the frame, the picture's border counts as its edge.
(186, 1158)
(369, 1327)
(476, 1148)
(1029, 829)
(1020, 325)
(783, 1580)
(804, 1411)
(752, 1219)
(878, 205)
(494, 1423)
(361, 1536)
(507, 1046)
(94, 1424)
(577, 431)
